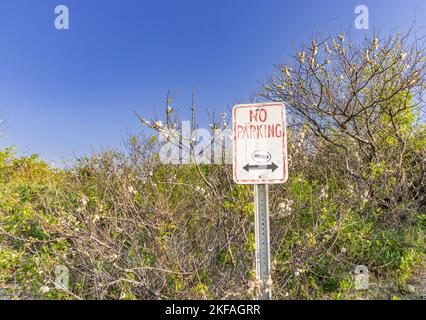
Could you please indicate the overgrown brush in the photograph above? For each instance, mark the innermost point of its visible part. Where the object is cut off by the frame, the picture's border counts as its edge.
(129, 227)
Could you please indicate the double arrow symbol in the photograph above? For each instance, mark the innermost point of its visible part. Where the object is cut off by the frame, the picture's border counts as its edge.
(272, 167)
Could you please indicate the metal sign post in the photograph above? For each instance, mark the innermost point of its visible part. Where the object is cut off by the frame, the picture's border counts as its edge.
(260, 144)
(260, 159)
(263, 251)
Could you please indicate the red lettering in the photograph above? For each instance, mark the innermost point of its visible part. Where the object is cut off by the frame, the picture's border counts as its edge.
(252, 131)
(258, 115)
(278, 130)
(271, 131)
(253, 114)
(263, 115)
(240, 130)
(259, 131)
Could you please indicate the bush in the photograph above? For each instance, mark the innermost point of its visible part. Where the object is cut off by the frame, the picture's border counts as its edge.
(128, 227)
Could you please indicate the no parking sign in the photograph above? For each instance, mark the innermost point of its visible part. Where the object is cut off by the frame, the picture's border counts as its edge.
(260, 144)
(260, 158)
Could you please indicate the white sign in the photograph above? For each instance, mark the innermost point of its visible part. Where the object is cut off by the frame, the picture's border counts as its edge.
(260, 144)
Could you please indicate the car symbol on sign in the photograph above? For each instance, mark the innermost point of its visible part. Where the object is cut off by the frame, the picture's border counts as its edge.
(261, 156)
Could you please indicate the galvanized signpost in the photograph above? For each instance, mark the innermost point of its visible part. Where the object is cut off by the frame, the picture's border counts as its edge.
(263, 251)
(260, 159)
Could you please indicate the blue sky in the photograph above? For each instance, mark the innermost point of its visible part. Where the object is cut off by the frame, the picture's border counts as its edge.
(66, 93)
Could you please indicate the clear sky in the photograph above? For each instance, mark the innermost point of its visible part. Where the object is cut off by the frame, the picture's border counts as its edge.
(68, 92)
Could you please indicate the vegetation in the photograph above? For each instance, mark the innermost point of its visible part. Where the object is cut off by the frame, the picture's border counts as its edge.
(130, 227)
